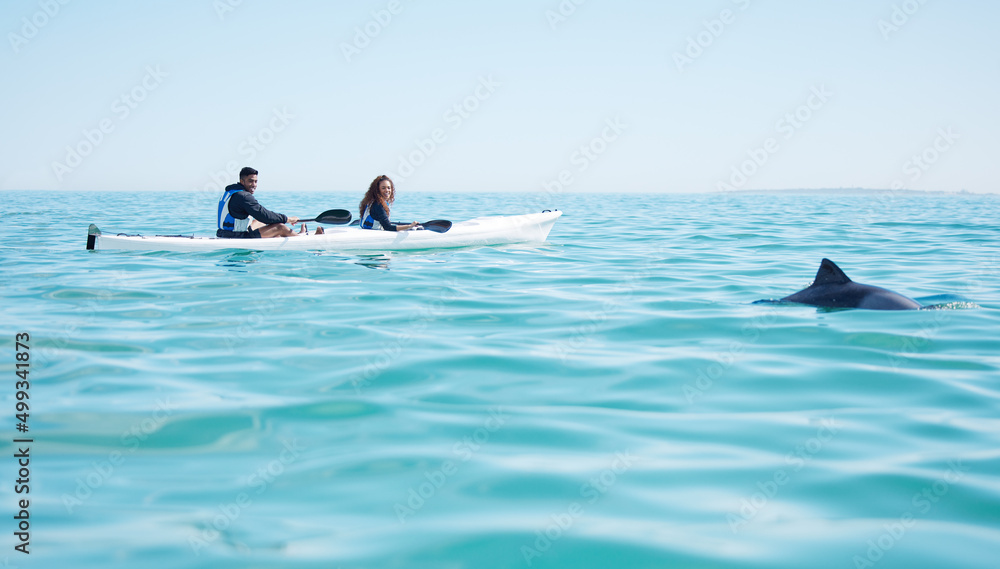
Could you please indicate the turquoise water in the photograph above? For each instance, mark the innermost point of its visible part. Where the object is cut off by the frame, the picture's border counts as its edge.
(611, 398)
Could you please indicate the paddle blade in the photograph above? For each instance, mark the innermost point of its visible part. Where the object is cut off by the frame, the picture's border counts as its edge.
(437, 225)
(334, 217)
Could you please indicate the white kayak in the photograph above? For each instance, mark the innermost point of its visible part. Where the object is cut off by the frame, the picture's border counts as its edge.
(496, 230)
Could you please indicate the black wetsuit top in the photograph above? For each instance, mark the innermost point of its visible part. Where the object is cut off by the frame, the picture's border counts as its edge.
(243, 205)
(377, 213)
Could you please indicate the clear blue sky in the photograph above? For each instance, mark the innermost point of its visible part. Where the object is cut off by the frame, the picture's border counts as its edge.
(540, 88)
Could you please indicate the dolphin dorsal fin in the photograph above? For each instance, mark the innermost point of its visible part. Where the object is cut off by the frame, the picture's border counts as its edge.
(830, 273)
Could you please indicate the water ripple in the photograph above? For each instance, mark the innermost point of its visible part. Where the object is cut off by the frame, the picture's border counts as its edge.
(610, 398)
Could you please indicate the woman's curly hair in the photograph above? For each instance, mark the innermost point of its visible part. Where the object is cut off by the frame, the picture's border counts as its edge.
(373, 194)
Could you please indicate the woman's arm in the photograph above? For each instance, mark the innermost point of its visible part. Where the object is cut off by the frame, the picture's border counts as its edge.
(378, 212)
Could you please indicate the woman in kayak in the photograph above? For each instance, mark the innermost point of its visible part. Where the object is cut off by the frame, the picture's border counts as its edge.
(375, 207)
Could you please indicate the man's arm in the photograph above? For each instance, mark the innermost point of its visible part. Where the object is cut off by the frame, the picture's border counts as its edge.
(247, 203)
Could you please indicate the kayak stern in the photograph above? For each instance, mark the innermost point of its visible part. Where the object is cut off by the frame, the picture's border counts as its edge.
(92, 234)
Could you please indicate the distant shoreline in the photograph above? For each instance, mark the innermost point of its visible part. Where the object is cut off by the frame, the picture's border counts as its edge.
(862, 191)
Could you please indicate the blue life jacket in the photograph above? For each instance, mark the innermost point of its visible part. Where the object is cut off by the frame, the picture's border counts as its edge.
(226, 220)
(369, 222)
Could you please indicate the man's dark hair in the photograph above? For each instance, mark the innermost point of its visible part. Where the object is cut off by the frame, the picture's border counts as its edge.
(248, 171)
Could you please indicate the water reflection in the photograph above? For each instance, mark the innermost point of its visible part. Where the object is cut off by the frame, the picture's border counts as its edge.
(379, 261)
(240, 260)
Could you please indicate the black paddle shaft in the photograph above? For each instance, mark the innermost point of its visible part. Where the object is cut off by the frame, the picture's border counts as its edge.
(435, 225)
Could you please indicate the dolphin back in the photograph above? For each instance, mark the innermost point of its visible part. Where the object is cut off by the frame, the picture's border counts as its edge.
(830, 274)
(832, 288)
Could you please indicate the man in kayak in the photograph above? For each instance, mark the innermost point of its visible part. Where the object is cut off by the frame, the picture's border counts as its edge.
(374, 207)
(238, 205)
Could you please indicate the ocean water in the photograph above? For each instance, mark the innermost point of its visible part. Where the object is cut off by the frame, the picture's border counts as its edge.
(610, 398)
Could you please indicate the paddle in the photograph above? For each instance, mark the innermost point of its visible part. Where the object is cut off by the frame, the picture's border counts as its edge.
(435, 225)
(331, 217)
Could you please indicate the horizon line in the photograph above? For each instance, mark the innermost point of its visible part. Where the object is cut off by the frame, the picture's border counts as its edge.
(626, 191)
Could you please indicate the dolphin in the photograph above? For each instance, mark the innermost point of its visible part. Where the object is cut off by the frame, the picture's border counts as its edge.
(834, 289)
